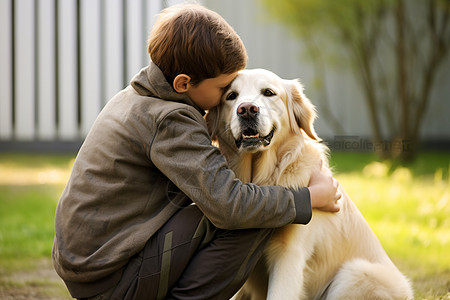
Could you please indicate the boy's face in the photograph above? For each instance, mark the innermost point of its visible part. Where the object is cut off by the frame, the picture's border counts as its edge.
(208, 92)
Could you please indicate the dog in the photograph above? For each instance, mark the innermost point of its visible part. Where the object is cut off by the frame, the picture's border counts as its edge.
(264, 128)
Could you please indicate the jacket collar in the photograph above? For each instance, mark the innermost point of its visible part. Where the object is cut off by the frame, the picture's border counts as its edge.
(150, 82)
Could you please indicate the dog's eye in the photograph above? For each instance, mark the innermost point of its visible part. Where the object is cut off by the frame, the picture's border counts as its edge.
(231, 96)
(268, 93)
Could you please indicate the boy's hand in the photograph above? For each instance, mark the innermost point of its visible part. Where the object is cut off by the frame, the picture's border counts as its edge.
(324, 192)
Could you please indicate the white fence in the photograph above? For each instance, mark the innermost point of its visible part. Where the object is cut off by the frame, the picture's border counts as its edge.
(61, 60)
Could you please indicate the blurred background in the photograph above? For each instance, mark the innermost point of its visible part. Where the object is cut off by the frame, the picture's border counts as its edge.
(378, 72)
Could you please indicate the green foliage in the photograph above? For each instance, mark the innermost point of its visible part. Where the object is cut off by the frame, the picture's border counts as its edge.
(309, 17)
(394, 47)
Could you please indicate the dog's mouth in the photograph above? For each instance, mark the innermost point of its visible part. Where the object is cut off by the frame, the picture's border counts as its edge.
(251, 139)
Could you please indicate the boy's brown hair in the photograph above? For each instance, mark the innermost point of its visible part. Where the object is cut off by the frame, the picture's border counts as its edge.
(193, 40)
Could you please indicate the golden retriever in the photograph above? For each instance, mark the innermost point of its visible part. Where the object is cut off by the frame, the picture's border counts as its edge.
(264, 127)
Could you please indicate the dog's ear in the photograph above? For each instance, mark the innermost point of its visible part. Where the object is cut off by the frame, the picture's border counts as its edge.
(302, 112)
(212, 121)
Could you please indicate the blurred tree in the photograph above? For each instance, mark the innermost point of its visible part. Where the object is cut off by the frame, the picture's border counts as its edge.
(396, 48)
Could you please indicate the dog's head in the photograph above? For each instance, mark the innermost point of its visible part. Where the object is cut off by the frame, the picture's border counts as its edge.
(259, 109)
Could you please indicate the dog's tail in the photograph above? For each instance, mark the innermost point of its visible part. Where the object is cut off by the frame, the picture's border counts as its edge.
(361, 279)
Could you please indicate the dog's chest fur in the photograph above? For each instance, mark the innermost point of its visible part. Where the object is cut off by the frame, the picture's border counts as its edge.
(289, 165)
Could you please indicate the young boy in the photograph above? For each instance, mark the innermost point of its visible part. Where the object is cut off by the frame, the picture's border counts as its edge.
(151, 210)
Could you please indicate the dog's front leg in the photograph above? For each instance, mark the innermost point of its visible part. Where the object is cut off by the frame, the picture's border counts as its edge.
(286, 255)
(286, 277)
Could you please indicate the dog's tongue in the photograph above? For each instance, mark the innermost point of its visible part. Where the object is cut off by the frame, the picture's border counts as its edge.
(248, 134)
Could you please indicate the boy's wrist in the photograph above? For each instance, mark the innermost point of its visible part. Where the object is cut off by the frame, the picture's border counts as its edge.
(303, 210)
(313, 197)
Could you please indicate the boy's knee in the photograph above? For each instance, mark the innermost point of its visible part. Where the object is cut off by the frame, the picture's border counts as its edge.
(190, 225)
(246, 240)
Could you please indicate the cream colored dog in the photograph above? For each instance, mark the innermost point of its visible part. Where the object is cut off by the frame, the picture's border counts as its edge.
(264, 127)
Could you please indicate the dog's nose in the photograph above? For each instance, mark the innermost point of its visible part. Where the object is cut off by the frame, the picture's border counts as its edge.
(247, 110)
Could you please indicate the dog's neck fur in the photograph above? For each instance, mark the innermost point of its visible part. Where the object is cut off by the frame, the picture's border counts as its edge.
(248, 167)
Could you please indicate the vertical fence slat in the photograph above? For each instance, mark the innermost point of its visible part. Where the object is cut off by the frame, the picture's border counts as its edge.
(46, 70)
(153, 9)
(90, 18)
(6, 83)
(174, 2)
(24, 64)
(112, 49)
(67, 69)
(134, 42)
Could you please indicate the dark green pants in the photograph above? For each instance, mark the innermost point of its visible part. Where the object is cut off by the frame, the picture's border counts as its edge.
(189, 258)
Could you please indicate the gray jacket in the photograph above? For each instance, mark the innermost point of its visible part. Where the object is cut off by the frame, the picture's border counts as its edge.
(148, 154)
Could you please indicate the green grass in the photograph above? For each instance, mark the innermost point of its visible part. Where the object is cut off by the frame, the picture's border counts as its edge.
(426, 164)
(407, 207)
(26, 223)
(30, 186)
(35, 161)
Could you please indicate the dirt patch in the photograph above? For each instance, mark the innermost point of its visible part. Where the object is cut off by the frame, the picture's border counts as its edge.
(37, 284)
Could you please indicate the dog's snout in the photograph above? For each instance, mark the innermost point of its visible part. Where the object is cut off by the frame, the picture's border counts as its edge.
(247, 110)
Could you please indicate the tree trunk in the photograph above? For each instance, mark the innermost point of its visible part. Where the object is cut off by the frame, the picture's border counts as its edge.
(404, 144)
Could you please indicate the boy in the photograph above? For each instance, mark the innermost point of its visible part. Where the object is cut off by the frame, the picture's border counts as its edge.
(151, 210)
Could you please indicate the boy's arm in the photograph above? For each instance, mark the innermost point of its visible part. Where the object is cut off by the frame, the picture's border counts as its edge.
(182, 150)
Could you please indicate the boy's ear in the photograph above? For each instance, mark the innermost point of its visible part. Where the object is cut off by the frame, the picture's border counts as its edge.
(181, 83)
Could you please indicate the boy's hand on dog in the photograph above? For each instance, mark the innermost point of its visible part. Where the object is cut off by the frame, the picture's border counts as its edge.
(323, 188)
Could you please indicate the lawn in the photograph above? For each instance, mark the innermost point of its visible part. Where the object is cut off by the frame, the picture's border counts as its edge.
(407, 207)
(30, 186)
(409, 210)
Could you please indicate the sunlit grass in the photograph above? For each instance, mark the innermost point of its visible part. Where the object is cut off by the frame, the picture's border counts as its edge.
(30, 186)
(409, 211)
(22, 169)
(413, 212)
(407, 207)
(26, 223)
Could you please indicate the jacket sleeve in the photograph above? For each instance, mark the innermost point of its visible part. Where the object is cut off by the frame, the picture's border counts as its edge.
(182, 150)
